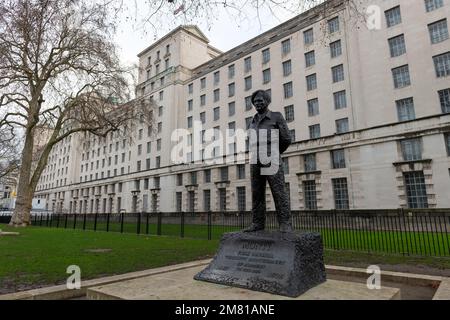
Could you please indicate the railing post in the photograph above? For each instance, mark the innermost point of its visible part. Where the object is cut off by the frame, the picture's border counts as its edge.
(57, 221)
(107, 221)
(138, 230)
(159, 223)
(209, 226)
(121, 221)
(84, 221)
(146, 223)
(182, 225)
(65, 222)
(74, 221)
(95, 221)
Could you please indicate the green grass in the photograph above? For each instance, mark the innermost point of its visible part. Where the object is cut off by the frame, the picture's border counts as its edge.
(40, 256)
(394, 242)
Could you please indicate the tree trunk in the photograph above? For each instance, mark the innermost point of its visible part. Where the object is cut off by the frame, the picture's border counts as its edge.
(22, 212)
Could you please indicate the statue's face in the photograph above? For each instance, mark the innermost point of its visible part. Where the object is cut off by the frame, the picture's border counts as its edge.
(260, 103)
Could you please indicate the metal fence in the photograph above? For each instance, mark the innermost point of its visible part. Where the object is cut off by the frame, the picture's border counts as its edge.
(412, 232)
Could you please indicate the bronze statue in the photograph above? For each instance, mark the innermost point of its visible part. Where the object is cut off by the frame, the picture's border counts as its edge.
(262, 129)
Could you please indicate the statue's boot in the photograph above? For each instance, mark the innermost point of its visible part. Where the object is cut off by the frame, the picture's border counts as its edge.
(286, 227)
(254, 228)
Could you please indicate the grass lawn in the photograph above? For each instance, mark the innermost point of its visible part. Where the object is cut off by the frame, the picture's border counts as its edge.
(396, 242)
(39, 256)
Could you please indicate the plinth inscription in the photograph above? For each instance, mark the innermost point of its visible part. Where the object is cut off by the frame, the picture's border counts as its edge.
(265, 261)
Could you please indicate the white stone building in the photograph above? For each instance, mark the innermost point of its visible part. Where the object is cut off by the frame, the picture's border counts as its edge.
(369, 111)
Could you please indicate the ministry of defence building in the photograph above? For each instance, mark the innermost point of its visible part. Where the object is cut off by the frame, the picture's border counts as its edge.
(368, 110)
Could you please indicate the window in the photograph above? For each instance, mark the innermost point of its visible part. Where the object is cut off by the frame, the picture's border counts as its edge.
(310, 194)
(223, 199)
(285, 164)
(207, 175)
(288, 90)
(232, 126)
(207, 200)
(158, 145)
(287, 68)
(216, 113)
(416, 190)
(338, 159)
(248, 103)
(289, 113)
(311, 82)
(161, 95)
(405, 109)
(202, 83)
(286, 46)
(333, 25)
(159, 127)
(335, 49)
(202, 100)
(179, 201)
(248, 64)
(193, 178)
(203, 117)
(292, 134)
(158, 162)
(190, 105)
(442, 65)
(308, 37)
(447, 142)
(266, 76)
(191, 88)
(444, 97)
(248, 83)
(314, 131)
(139, 166)
(342, 126)
(438, 31)
(411, 149)
(401, 77)
(266, 56)
(241, 171)
(310, 59)
(216, 78)
(231, 71)
(338, 73)
(162, 81)
(241, 199)
(224, 174)
(231, 89)
(431, 5)
(397, 46)
(313, 107)
(147, 164)
(160, 111)
(393, 17)
(310, 162)
(340, 100)
(216, 95)
(139, 149)
(231, 109)
(340, 191)
(248, 121)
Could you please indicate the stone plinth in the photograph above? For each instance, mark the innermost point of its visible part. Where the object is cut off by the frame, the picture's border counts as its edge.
(180, 285)
(287, 264)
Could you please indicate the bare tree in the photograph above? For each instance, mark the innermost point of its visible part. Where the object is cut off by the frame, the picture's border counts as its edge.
(162, 14)
(9, 160)
(59, 69)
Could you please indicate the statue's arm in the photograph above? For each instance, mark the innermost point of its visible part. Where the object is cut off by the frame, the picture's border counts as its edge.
(285, 136)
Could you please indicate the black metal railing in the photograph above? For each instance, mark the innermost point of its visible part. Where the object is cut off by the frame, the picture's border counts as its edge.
(406, 232)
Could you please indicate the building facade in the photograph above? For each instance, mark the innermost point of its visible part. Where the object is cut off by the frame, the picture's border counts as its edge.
(368, 110)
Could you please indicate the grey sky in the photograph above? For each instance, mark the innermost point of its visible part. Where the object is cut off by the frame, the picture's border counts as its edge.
(224, 32)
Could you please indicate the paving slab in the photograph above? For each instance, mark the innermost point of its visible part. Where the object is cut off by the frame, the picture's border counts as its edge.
(180, 285)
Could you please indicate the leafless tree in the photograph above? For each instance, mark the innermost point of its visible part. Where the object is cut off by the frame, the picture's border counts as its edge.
(9, 160)
(59, 70)
(156, 15)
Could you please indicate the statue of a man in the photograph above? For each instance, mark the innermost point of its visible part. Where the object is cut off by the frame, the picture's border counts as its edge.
(263, 125)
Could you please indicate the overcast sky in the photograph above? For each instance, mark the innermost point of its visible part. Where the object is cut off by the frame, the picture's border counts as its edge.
(224, 33)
